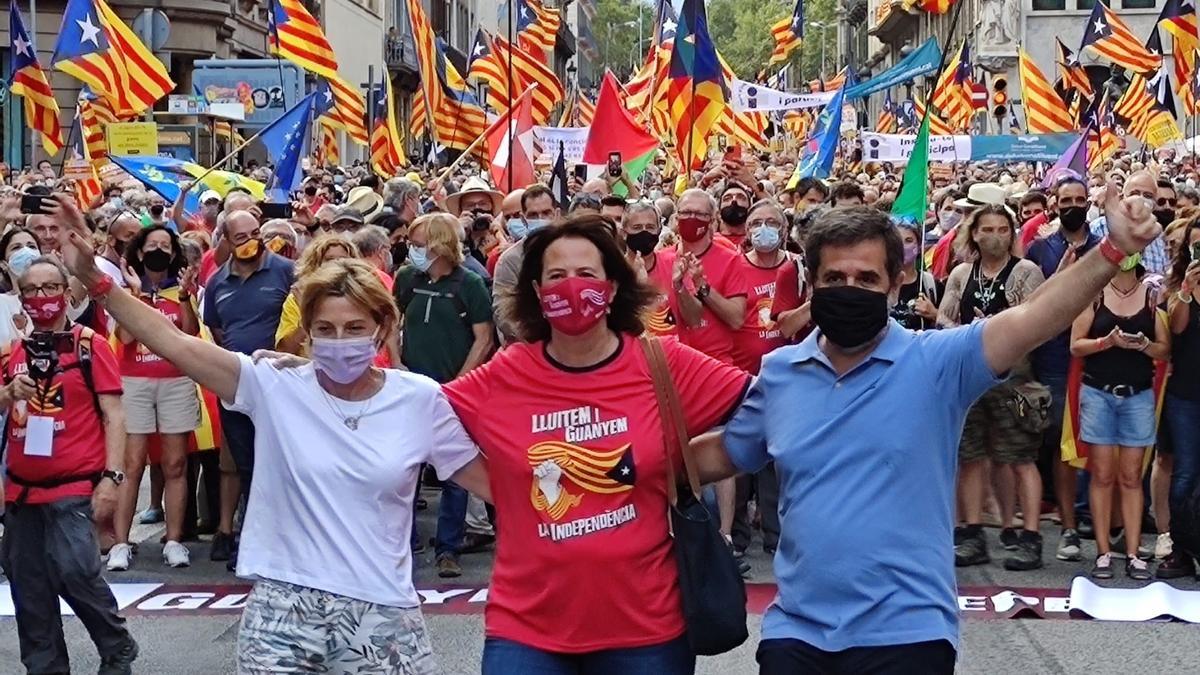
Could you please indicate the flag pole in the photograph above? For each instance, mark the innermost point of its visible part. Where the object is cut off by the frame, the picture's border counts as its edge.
(479, 139)
(62, 167)
(929, 111)
(33, 38)
(512, 5)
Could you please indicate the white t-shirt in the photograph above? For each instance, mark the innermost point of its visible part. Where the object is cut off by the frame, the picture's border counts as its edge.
(330, 507)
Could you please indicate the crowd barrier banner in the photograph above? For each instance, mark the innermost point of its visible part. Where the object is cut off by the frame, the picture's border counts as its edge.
(898, 147)
(962, 148)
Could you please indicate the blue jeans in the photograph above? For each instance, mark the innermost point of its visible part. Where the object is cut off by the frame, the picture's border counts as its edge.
(1182, 418)
(452, 520)
(505, 657)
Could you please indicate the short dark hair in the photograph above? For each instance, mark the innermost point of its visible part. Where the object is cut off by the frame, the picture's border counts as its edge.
(133, 252)
(370, 180)
(629, 303)
(808, 184)
(1069, 180)
(840, 228)
(846, 190)
(1164, 183)
(1033, 196)
(533, 192)
(613, 200)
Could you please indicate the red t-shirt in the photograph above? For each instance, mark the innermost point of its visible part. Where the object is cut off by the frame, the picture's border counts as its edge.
(759, 334)
(385, 278)
(78, 445)
(725, 270)
(661, 320)
(1029, 231)
(577, 468)
(788, 290)
(208, 266)
(136, 359)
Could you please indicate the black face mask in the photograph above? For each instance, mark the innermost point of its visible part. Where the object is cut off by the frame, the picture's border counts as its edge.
(311, 191)
(849, 316)
(642, 242)
(1073, 218)
(156, 210)
(1164, 216)
(157, 260)
(735, 214)
(400, 252)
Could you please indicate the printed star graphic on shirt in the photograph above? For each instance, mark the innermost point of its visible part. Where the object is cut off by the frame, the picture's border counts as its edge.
(21, 46)
(624, 471)
(90, 32)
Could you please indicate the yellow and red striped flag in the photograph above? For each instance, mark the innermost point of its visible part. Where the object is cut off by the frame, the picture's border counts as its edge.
(1178, 17)
(1045, 111)
(1185, 75)
(97, 48)
(1102, 138)
(1072, 72)
(887, 123)
(932, 6)
(526, 71)
(537, 25)
(296, 35)
(788, 33)
(387, 149)
(1135, 102)
(937, 125)
(91, 128)
(1107, 36)
(329, 153)
(952, 94)
(29, 82)
(350, 110)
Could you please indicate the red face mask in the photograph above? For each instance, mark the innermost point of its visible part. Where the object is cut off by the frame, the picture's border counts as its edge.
(692, 230)
(575, 304)
(44, 309)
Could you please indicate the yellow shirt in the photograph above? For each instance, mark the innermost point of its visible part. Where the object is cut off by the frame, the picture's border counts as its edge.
(289, 322)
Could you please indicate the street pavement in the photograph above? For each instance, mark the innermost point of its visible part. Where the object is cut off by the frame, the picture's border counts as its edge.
(183, 643)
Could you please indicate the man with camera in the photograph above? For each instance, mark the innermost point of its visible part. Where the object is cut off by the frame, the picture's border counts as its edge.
(65, 439)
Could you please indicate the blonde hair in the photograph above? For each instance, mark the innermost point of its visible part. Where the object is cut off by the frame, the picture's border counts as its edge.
(354, 280)
(964, 238)
(441, 236)
(314, 254)
(202, 238)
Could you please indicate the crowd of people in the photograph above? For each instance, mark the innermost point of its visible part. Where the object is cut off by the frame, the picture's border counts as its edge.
(867, 394)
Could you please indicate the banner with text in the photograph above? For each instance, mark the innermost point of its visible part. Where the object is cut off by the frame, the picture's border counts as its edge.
(898, 147)
(754, 97)
(573, 139)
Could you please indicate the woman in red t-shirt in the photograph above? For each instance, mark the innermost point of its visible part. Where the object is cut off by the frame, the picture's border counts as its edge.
(158, 398)
(585, 578)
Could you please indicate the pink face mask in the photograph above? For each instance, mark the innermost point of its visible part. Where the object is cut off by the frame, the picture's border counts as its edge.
(575, 304)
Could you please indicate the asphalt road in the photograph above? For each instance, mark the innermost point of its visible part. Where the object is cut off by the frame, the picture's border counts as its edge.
(183, 643)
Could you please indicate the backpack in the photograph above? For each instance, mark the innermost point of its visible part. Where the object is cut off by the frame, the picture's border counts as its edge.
(1030, 406)
(406, 290)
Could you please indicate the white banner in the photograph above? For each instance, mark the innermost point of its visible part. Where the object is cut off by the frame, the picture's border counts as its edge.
(754, 97)
(574, 140)
(898, 147)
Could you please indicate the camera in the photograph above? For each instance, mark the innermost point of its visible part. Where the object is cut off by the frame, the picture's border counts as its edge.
(41, 352)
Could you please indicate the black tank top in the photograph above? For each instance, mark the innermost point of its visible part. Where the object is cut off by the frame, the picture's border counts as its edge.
(1185, 358)
(1121, 366)
(990, 297)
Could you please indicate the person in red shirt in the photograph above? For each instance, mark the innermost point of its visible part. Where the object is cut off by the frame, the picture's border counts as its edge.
(641, 229)
(790, 308)
(585, 577)
(65, 460)
(760, 335)
(159, 398)
(734, 202)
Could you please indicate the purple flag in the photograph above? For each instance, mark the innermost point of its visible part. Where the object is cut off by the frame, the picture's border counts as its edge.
(1073, 163)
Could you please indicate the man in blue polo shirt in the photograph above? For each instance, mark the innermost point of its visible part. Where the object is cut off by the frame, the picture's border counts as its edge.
(242, 304)
(863, 421)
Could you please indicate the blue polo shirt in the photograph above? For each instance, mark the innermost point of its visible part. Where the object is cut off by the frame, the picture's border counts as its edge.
(866, 466)
(246, 311)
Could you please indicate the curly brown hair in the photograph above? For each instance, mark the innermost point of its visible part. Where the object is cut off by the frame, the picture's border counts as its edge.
(630, 301)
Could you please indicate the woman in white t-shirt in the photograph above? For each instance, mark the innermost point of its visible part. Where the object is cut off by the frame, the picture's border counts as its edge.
(338, 449)
(19, 247)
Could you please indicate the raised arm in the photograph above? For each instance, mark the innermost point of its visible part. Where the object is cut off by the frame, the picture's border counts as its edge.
(1013, 333)
(206, 363)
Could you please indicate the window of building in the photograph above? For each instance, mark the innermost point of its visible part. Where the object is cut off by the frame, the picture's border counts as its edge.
(1086, 5)
(1049, 5)
(1138, 4)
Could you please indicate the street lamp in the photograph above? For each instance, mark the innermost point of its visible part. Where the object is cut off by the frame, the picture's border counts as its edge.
(822, 26)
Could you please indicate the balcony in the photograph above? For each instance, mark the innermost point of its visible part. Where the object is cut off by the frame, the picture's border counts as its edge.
(400, 50)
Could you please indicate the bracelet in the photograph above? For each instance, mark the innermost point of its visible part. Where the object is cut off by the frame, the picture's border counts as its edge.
(1111, 252)
(101, 288)
(1183, 297)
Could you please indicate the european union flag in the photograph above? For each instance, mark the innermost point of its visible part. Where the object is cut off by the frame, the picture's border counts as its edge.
(285, 140)
(819, 149)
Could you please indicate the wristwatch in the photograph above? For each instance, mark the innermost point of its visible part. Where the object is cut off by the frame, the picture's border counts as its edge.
(702, 292)
(116, 476)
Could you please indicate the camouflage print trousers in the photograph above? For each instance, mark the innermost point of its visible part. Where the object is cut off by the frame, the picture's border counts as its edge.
(293, 629)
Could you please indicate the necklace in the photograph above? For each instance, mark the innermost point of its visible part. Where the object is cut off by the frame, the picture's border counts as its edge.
(986, 293)
(351, 421)
(1121, 293)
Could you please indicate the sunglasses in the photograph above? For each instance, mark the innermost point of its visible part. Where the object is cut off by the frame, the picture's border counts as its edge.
(1166, 201)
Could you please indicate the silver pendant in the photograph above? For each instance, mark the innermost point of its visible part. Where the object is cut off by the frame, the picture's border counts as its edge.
(351, 422)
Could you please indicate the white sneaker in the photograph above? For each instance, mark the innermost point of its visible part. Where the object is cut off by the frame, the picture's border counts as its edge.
(1163, 546)
(119, 557)
(176, 554)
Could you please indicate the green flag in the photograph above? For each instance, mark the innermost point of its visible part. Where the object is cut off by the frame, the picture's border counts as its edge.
(913, 199)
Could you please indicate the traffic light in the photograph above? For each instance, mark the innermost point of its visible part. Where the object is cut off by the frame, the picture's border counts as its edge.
(999, 97)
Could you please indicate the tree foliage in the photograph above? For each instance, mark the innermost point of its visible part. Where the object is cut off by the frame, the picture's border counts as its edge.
(741, 30)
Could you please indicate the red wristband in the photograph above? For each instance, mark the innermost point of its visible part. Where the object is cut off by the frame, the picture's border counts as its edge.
(101, 288)
(1111, 252)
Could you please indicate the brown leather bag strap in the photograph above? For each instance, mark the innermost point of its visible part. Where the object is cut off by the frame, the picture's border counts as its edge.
(671, 414)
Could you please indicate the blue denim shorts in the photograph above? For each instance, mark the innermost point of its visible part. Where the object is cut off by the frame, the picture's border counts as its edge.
(1105, 419)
